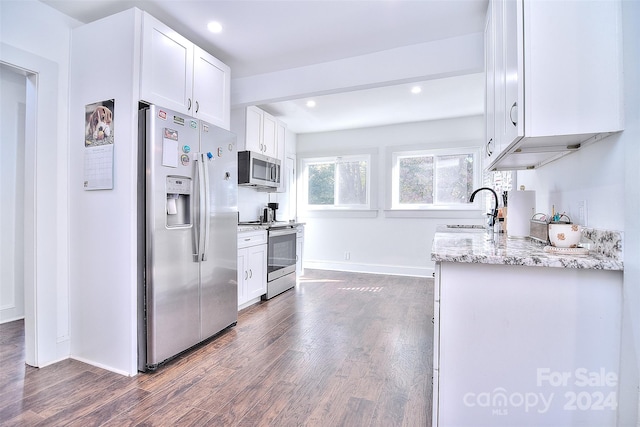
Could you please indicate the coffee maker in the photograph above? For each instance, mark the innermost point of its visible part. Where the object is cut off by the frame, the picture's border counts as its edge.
(274, 208)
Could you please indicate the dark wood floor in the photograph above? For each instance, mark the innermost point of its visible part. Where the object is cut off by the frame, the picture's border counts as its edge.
(341, 349)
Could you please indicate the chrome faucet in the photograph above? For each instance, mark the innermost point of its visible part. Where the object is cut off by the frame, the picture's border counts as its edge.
(494, 213)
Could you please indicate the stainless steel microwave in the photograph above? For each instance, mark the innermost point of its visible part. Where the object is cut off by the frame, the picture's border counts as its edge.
(258, 170)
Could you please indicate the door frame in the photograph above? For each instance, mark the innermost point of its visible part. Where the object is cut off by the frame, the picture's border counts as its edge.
(41, 293)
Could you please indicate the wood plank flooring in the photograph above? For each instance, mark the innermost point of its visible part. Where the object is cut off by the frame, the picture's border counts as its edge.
(341, 349)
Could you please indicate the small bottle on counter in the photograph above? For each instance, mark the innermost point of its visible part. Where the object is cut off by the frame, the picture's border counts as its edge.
(501, 223)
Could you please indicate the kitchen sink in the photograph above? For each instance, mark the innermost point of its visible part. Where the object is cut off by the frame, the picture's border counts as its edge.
(461, 228)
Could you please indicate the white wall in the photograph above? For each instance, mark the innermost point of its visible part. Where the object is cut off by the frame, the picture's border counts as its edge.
(12, 139)
(103, 239)
(36, 38)
(376, 241)
(593, 174)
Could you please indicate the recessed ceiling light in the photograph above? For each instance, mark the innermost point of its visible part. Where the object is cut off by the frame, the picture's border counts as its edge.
(311, 103)
(416, 89)
(214, 27)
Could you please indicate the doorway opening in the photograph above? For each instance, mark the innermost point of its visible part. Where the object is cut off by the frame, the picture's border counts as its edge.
(18, 192)
(13, 85)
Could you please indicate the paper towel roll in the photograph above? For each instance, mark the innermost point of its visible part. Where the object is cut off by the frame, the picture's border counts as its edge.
(521, 207)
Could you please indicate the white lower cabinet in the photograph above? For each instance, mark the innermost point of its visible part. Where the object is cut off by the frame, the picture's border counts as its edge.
(524, 346)
(252, 266)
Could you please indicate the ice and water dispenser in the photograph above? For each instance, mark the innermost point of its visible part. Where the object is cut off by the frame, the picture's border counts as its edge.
(178, 201)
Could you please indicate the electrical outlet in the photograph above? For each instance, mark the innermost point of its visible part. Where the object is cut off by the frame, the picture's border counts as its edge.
(582, 212)
(347, 256)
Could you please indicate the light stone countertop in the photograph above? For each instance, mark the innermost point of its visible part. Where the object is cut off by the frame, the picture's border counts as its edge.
(480, 247)
(253, 227)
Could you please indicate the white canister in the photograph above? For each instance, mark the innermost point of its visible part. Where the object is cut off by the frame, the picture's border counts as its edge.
(521, 206)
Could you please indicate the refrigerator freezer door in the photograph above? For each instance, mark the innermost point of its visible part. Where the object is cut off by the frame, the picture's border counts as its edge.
(219, 288)
(172, 274)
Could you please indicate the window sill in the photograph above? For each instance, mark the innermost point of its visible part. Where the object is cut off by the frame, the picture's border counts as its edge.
(340, 213)
(434, 213)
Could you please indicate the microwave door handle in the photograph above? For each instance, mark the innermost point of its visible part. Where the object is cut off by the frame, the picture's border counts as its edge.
(206, 213)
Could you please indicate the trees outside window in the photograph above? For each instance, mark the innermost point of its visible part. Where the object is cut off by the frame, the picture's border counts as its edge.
(426, 179)
(337, 182)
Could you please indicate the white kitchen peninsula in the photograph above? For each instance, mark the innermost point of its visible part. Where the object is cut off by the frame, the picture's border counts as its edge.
(524, 337)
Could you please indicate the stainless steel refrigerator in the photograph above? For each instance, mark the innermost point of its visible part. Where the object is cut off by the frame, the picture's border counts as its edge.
(187, 222)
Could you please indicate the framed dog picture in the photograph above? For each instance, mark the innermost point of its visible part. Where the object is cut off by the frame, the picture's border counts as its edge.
(98, 143)
(99, 123)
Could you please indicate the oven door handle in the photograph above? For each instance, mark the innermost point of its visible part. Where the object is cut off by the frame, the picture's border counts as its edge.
(276, 233)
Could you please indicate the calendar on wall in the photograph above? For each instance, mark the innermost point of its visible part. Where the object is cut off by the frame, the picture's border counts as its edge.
(98, 146)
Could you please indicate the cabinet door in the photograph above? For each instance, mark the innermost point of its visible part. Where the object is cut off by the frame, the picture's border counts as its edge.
(269, 135)
(257, 277)
(436, 344)
(210, 89)
(243, 275)
(167, 66)
(489, 65)
(513, 48)
(499, 122)
(253, 131)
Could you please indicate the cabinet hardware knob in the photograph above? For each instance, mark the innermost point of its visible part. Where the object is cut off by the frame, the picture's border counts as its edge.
(197, 106)
(189, 104)
(250, 273)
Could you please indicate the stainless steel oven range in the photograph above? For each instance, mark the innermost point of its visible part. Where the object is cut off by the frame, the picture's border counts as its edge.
(281, 260)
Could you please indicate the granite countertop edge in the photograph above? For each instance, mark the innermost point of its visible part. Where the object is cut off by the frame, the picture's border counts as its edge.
(255, 227)
(478, 247)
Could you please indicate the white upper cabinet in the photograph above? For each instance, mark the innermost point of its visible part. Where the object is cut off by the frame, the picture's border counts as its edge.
(180, 76)
(252, 130)
(211, 89)
(557, 81)
(512, 125)
(269, 138)
(256, 130)
(489, 94)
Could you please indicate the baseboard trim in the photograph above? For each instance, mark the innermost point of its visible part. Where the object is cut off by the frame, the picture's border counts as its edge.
(102, 366)
(393, 270)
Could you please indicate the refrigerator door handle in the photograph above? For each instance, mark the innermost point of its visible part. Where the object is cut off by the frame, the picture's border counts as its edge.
(201, 206)
(207, 209)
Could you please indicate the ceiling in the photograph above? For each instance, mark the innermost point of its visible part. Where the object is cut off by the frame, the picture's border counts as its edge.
(267, 36)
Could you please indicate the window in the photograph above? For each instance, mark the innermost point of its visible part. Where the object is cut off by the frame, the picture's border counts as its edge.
(432, 179)
(337, 182)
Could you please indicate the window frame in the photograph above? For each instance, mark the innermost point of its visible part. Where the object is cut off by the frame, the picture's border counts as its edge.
(396, 153)
(335, 159)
